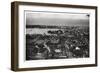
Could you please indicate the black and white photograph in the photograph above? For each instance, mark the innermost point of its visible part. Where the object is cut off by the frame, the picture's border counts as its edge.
(56, 35)
(53, 36)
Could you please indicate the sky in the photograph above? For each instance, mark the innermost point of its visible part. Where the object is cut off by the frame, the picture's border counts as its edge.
(57, 19)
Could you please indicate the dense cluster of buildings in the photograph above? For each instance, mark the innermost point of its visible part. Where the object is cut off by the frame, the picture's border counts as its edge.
(64, 43)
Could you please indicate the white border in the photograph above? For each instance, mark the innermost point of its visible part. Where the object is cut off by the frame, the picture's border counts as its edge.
(58, 62)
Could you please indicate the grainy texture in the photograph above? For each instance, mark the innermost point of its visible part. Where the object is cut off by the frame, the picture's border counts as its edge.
(14, 35)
